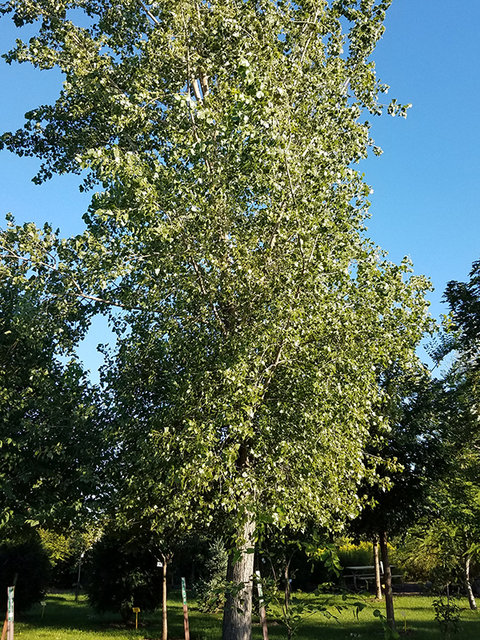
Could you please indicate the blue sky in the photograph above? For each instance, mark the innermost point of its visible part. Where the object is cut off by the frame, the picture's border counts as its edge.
(426, 184)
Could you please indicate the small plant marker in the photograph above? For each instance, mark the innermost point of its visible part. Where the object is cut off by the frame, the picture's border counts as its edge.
(44, 604)
(185, 610)
(136, 611)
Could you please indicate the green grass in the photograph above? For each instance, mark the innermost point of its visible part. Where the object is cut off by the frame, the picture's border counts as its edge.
(64, 619)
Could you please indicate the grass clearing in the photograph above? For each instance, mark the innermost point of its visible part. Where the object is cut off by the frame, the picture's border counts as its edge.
(64, 619)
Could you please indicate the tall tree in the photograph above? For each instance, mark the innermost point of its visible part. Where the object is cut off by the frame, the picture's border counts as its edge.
(450, 532)
(460, 497)
(230, 228)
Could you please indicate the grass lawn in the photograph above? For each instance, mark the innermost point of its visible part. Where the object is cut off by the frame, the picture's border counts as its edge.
(64, 619)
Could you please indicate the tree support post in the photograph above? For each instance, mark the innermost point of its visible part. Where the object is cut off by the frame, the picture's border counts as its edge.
(185, 610)
(10, 612)
(261, 608)
(387, 577)
(376, 562)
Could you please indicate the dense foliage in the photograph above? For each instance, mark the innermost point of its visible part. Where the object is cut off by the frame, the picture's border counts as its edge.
(25, 565)
(50, 441)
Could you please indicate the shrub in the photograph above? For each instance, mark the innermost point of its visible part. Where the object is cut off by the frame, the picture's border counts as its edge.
(122, 576)
(351, 555)
(26, 565)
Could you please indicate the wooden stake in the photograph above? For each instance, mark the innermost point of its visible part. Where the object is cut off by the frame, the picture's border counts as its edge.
(261, 611)
(376, 562)
(4, 632)
(10, 614)
(185, 610)
(387, 578)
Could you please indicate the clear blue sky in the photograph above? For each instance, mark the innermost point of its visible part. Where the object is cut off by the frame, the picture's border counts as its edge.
(426, 184)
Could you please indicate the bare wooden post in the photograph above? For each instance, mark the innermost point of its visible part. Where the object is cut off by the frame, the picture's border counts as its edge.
(387, 577)
(376, 562)
(261, 610)
(185, 610)
(4, 631)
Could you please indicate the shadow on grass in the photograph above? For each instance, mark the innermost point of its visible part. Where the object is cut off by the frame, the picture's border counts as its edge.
(63, 613)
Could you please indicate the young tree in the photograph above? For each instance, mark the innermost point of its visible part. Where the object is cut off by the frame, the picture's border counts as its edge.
(123, 574)
(230, 229)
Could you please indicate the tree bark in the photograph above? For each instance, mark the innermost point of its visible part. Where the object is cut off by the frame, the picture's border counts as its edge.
(387, 577)
(376, 562)
(237, 615)
(471, 598)
(164, 600)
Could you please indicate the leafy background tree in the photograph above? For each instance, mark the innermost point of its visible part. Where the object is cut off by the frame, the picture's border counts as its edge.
(453, 536)
(50, 442)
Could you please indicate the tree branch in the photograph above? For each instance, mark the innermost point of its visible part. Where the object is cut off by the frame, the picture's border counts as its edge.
(80, 293)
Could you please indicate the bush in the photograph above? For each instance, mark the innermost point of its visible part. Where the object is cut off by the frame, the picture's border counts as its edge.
(352, 555)
(433, 555)
(122, 576)
(27, 565)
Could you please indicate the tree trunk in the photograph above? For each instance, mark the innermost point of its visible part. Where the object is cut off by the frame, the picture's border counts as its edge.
(376, 562)
(237, 615)
(387, 577)
(164, 600)
(468, 585)
(286, 577)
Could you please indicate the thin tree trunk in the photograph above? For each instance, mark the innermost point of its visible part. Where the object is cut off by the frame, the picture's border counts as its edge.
(376, 562)
(164, 600)
(468, 585)
(387, 577)
(286, 577)
(237, 615)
